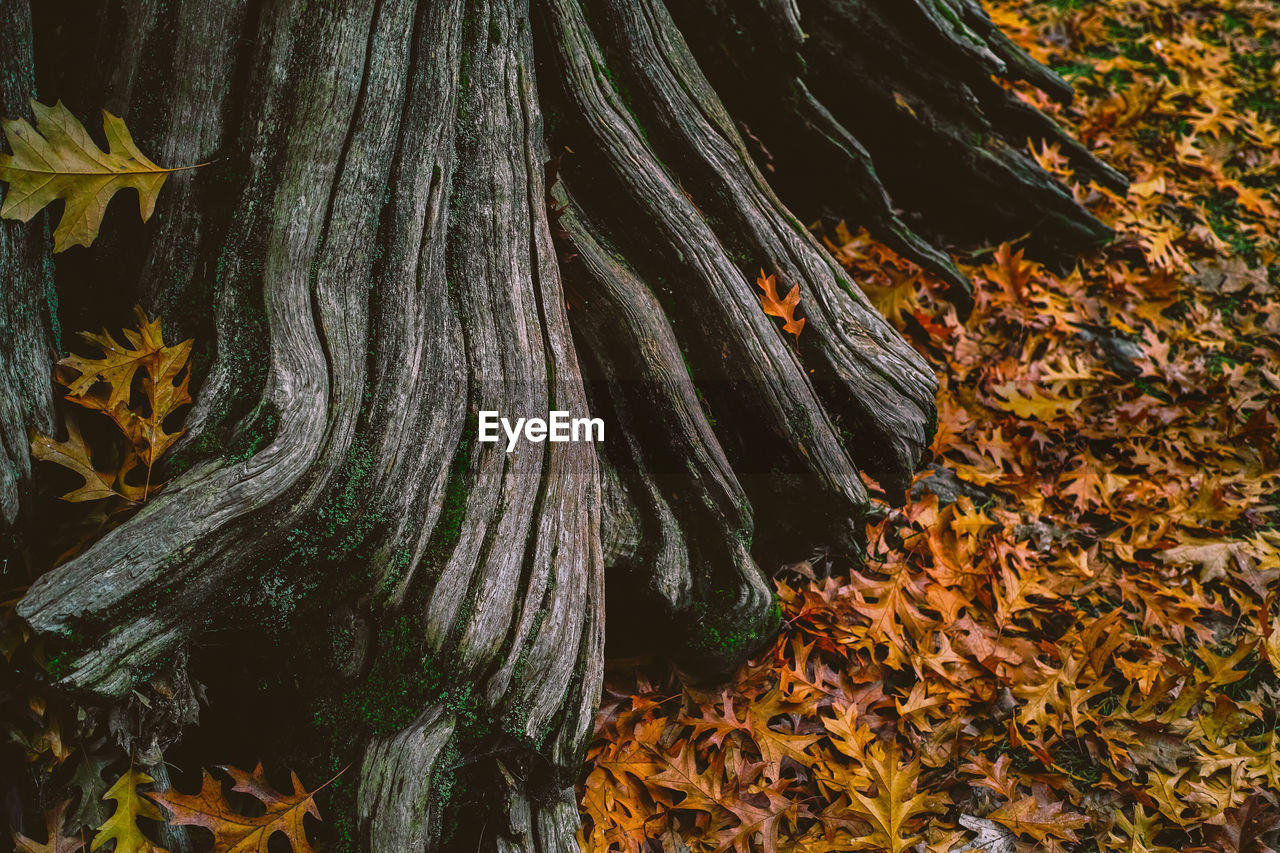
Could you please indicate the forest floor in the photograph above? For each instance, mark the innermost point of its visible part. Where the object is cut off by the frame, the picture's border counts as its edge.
(1069, 638)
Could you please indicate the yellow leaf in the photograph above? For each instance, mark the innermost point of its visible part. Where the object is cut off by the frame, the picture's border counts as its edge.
(57, 159)
(1041, 407)
(122, 826)
(1145, 189)
(896, 799)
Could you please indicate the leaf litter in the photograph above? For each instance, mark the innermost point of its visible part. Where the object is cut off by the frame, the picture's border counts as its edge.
(1069, 638)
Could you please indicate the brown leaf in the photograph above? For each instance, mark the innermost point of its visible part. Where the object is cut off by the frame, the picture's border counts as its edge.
(237, 833)
(1040, 820)
(106, 385)
(1245, 826)
(143, 349)
(73, 454)
(57, 842)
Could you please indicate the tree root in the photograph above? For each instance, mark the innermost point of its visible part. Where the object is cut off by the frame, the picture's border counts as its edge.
(380, 265)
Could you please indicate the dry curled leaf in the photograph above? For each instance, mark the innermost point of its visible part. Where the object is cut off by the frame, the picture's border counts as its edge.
(164, 383)
(107, 384)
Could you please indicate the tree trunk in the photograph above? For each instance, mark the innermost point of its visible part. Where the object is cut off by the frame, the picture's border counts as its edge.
(383, 247)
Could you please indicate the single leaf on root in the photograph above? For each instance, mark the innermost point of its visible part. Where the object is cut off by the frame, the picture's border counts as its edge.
(776, 307)
(237, 833)
(122, 826)
(57, 159)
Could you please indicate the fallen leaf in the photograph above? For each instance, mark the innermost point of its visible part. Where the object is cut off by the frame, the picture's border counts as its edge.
(122, 826)
(57, 159)
(56, 843)
(237, 833)
(895, 799)
(73, 454)
(784, 308)
(1039, 820)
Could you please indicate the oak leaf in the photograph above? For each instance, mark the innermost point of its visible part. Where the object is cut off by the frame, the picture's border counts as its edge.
(90, 785)
(106, 384)
(775, 744)
(73, 454)
(1039, 819)
(164, 382)
(1140, 831)
(1213, 558)
(57, 842)
(784, 308)
(1245, 827)
(237, 833)
(1044, 407)
(1010, 271)
(122, 826)
(57, 159)
(895, 799)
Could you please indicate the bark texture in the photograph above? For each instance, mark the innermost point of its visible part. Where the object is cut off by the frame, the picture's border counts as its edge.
(27, 308)
(378, 253)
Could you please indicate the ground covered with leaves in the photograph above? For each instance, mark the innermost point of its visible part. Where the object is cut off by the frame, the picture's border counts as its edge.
(1069, 638)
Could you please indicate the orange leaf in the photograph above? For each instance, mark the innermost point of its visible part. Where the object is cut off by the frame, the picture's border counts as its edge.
(784, 308)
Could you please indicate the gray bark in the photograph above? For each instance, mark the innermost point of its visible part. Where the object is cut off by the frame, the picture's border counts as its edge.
(371, 260)
(26, 309)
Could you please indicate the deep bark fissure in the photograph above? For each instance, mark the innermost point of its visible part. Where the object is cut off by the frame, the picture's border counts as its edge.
(378, 261)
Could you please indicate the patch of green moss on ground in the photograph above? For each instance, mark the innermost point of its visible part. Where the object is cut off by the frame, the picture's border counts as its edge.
(723, 634)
